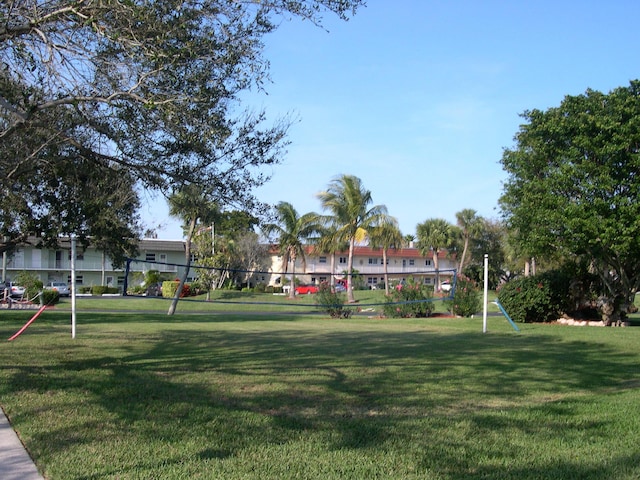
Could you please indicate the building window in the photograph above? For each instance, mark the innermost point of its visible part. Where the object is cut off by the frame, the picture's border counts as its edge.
(323, 279)
(120, 281)
(427, 263)
(373, 261)
(79, 279)
(342, 260)
(322, 259)
(150, 257)
(412, 262)
(372, 280)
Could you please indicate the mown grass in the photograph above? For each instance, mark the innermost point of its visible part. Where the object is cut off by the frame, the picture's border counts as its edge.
(243, 396)
(369, 301)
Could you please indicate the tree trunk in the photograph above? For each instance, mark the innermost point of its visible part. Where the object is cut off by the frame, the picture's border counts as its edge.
(464, 255)
(292, 290)
(183, 280)
(386, 271)
(437, 269)
(350, 297)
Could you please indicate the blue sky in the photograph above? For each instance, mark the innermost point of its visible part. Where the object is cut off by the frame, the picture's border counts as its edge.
(419, 98)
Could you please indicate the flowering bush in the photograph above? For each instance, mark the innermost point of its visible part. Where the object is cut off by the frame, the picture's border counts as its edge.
(413, 299)
(528, 299)
(466, 298)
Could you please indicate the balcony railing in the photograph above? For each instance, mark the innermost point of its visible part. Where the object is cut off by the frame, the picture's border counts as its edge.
(89, 266)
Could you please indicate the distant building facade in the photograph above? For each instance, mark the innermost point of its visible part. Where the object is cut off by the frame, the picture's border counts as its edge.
(93, 267)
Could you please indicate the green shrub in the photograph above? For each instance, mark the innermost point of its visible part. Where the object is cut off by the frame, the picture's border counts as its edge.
(50, 297)
(85, 289)
(260, 288)
(332, 302)
(412, 299)
(169, 289)
(466, 298)
(31, 283)
(529, 299)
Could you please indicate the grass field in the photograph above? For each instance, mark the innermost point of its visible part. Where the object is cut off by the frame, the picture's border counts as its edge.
(231, 395)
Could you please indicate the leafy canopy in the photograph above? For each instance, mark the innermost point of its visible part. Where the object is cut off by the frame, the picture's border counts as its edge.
(140, 92)
(574, 182)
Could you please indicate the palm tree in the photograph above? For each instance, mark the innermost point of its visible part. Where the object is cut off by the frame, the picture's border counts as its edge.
(470, 225)
(434, 235)
(330, 243)
(348, 201)
(292, 230)
(191, 204)
(386, 236)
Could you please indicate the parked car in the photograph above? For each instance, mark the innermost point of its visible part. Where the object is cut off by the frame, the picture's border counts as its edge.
(154, 290)
(306, 289)
(339, 287)
(13, 290)
(60, 287)
(445, 286)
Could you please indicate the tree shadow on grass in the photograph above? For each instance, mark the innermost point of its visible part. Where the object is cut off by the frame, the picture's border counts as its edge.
(456, 405)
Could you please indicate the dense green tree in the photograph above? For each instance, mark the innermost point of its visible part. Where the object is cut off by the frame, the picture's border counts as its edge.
(491, 239)
(435, 235)
(352, 216)
(293, 232)
(142, 92)
(573, 188)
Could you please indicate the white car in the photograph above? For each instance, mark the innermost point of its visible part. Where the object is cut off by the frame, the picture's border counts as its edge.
(60, 287)
(13, 290)
(445, 286)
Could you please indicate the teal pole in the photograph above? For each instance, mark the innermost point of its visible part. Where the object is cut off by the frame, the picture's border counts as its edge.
(504, 312)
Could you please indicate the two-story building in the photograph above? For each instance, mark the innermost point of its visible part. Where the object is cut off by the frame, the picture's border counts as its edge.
(369, 264)
(93, 267)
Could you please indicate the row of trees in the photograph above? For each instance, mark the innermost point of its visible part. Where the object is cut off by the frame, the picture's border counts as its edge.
(350, 219)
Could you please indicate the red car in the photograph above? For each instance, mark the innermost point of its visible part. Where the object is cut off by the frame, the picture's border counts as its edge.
(306, 289)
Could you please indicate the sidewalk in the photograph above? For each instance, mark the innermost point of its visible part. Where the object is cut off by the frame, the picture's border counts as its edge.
(15, 462)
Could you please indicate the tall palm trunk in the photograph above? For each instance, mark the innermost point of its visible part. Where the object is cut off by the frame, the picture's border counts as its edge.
(435, 265)
(386, 271)
(464, 255)
(292, 290)
(350, 297)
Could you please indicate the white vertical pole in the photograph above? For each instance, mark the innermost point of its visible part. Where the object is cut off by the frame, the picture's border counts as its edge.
(73, 286)
(486, 293)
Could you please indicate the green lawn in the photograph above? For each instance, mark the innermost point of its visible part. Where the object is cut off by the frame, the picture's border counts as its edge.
(370, 301)
(140, 395)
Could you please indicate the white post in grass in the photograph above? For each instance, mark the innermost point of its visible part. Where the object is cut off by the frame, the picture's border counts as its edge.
(73, 286)
(486, 293)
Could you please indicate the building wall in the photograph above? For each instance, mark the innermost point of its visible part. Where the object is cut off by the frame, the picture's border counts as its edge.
(92, 266)
(401, 264)
(167, 256)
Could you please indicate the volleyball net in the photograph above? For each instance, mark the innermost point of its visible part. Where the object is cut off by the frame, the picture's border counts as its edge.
(441, 284)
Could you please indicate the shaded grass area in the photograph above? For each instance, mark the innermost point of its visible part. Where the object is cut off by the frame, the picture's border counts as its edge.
(292, 396)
